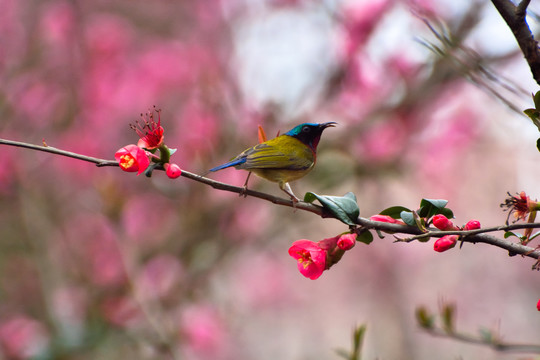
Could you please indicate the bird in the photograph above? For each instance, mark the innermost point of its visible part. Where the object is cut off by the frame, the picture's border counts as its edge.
(283, 159)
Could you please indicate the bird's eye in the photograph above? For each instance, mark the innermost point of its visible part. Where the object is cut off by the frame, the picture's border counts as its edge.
(306, 129)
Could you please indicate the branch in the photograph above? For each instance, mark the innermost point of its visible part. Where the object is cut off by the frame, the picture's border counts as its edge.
(492, 342)
(515, 18)
(473, 236)
(318, 210)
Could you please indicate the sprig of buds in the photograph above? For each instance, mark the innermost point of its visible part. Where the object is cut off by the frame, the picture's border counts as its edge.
(142, 157)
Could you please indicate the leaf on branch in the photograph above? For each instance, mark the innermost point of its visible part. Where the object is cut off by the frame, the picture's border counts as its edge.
(425, 319)
(394, 211)
(366, 237)
(430, 207)
(344, 208)
(408, 218)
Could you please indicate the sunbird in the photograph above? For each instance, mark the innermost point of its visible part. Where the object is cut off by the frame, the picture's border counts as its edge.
(282, 159)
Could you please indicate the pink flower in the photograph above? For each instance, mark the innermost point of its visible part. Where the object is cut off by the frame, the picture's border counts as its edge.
(441, 222)
(132, 158)
(172, 170)
(472, 225)
(311, 258)
(538, 305)
(445, 243)
(151, 133)
(347, 241)
(22, 337)
(386, 219)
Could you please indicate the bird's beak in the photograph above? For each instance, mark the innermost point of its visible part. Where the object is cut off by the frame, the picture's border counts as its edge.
(327, 124)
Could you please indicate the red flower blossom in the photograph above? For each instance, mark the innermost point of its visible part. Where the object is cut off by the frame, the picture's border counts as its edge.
(311, 258)
(132, 158)
(172, 170)
(150, 132)
(538, 305)
(445, 243)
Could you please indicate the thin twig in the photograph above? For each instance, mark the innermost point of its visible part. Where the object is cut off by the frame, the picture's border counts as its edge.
(495, 344)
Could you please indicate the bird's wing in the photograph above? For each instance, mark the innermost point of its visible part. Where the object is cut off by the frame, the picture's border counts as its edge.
(267, 156)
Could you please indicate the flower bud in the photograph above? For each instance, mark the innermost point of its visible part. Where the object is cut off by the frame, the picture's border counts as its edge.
(445, 243)
(386, 219)
(472, 225)
(441, 222)
(346, 241)
(172, 170)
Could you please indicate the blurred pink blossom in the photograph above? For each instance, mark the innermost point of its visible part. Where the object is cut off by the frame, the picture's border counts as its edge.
(58, 24)
(204, 333)
(92, 247)
(144, 210)
(359, 20)
(121, 311)
(22, 337)
(159, 276)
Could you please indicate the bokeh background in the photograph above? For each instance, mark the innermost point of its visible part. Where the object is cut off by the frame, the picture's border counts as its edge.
(96, 263)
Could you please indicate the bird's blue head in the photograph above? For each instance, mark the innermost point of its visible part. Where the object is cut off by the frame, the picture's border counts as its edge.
(309, 133)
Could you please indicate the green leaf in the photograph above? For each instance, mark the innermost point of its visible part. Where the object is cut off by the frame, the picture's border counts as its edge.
(511, 233)
(430, 207)
(408, 218)
(447, 212)
(425, 318)
(534, 115)
(448, 317)
(536, 99)
(538, 144)
(344, 208)
(366, 237)
(394, 211)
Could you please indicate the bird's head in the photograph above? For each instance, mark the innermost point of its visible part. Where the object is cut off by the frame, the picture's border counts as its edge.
(309, 133)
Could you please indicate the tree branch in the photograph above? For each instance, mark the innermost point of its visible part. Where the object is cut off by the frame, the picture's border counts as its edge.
(515, 18)
(473, 236)
(494, 343)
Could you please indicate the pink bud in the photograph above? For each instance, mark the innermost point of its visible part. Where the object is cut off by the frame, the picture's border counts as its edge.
(445, 243)
(386, 219)
(172, 170)
(347, 241)
(441, 222)
(472, 225)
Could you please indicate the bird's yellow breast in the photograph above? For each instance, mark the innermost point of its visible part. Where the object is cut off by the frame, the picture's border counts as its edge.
(281, 159)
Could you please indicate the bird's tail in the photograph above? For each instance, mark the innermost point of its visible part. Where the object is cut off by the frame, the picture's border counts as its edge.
(228, 164)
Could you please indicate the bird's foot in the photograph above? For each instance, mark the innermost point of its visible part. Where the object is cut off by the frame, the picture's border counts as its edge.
(243, 192)
(245, 188)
